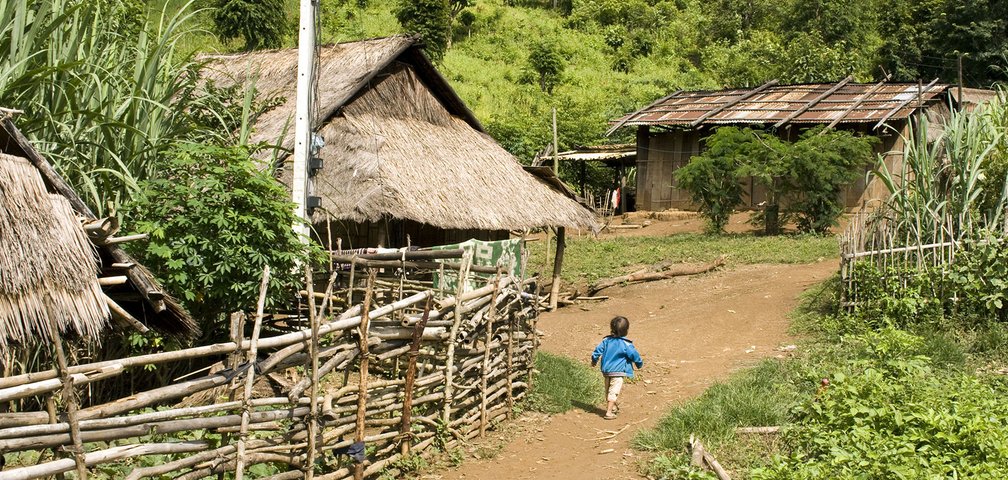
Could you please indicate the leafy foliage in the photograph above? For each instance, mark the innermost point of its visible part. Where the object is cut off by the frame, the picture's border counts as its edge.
(710, 176)
(261, 23)
(897, 418)
(823, 164)
(431, 19)
(215, 221)
(548, 64)
(808, 175)
(103, 90)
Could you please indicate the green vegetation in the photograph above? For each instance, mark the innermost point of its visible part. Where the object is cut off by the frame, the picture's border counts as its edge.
(259, 23)
(807, 175)
(431, 20)
(563, 384)
(895, 404)
(587, 260)
(215, 221)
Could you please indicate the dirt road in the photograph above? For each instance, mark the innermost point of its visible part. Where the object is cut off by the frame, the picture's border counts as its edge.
(691, 331)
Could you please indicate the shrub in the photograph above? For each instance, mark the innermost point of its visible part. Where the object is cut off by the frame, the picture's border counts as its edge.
(896, 419)
(261, 23)
(215, 221)
(710, 177)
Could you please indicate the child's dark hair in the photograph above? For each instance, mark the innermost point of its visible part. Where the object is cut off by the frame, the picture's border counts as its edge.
(619, 326)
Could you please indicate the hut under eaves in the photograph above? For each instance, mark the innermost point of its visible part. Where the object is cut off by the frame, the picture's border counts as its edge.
(60, 266)
(404, 159)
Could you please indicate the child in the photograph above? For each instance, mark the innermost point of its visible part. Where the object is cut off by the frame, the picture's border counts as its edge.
(618, 357)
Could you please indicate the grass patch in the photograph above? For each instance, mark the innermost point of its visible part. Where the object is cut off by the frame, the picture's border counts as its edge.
(563, 384)
(754, 397)
(587, 260)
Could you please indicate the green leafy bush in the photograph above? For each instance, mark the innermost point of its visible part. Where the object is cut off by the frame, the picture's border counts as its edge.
(980, 277)
(547, 63)
(897, 419)
(215, 221)
(261, 23)
(710, 177)
(431, 19)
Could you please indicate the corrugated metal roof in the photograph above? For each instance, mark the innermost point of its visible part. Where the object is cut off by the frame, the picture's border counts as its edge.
(814, 103)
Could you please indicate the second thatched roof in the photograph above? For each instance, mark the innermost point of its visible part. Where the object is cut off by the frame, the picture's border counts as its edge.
(399, 142)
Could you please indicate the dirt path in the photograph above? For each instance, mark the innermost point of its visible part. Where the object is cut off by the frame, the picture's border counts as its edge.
(690, 331)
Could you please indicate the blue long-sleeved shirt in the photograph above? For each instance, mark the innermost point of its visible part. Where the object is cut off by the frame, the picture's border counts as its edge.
(618, 356)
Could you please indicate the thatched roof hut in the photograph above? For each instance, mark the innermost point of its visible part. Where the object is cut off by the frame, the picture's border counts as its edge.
(50, 268)
(400, 146)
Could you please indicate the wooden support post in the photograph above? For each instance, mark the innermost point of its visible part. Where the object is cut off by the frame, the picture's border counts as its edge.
(414, 352)
(313, 423)
(70, 401)
(449, 388)
(557, 266)
(491, 313)
(250, 376)
(362, 381)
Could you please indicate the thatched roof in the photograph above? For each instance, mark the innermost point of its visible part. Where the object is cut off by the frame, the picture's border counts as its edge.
(48, 272)
(399, 142)
(49, 268)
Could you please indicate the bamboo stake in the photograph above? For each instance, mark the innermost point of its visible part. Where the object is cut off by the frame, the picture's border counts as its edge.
(70, 398)
(486, 355)
(313, 366)
(250, 376)
(362, 381)
(452, 339)
(414, 350)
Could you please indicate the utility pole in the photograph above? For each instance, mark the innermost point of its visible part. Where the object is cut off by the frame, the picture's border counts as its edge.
(302, 117)
(556, 159)
(960, 99)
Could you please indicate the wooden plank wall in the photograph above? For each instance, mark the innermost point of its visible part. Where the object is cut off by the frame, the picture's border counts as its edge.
(666, 152)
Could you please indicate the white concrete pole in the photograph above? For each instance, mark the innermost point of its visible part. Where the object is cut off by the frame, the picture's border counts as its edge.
(303, 120)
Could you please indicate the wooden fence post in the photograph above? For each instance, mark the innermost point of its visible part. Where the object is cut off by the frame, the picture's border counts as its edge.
(70, 399)
(449, 389)
(411, 366)
(250, 376)
(363, 379)
(491, 313)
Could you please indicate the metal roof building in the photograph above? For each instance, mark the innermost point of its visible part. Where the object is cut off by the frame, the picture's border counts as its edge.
(670, 131)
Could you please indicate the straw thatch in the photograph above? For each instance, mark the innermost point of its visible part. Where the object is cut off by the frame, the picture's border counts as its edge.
(48, 272)
(399, 142)
(49, 269)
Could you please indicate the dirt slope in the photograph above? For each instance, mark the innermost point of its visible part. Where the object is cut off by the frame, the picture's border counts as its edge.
(690, 331)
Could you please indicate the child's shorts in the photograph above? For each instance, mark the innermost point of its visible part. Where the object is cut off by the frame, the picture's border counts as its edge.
(613, 387)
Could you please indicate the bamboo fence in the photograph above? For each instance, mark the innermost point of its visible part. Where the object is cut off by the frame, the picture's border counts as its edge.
(381, 360)
(872, 238)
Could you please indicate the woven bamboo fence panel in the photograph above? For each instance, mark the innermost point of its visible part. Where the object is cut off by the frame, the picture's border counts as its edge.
(871, 239)
(378, 360)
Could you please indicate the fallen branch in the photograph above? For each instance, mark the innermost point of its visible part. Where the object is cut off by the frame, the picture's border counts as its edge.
(764, 430)
(649, 274)
(700, 457)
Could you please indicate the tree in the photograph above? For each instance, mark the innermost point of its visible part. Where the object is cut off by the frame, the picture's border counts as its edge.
(214, 222)
(823, 164)
(769, 161)
(710, 177)
(261, 23)
(431, 20)
(547, 63)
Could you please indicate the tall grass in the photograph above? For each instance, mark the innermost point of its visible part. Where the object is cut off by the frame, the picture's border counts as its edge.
(563, 383)
(103, 88)
(951, 187)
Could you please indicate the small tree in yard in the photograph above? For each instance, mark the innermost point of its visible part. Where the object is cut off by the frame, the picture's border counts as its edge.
(769, 161)
(808, 175)
(710, 178)
(261, 23)
(823, 164)
(215, 222)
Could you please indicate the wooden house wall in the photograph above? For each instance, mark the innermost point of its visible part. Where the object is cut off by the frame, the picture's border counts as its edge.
(398, 233)
(667, 151)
